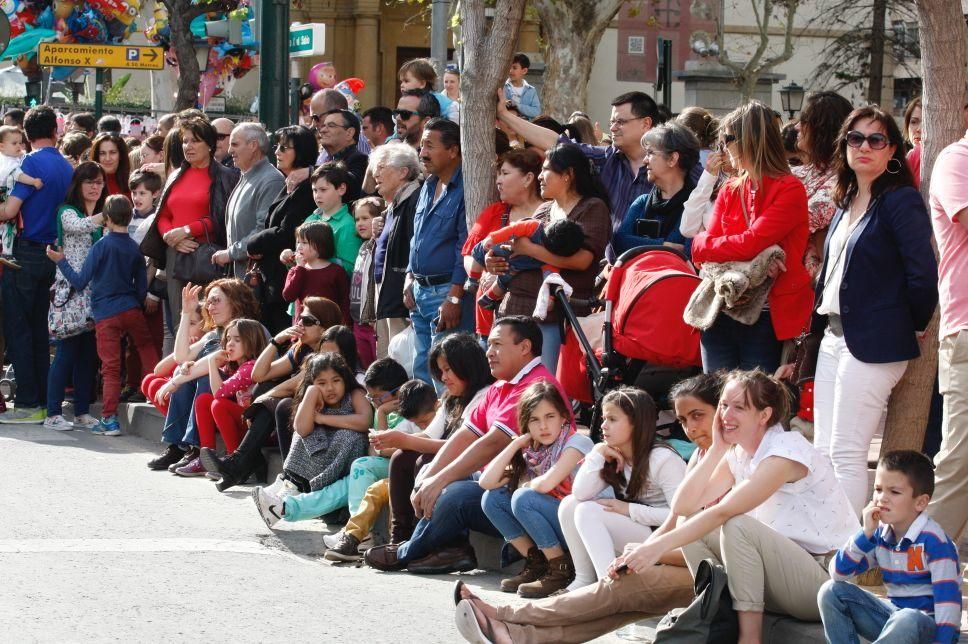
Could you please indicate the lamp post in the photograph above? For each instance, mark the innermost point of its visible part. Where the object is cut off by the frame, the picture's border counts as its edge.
(791, 98)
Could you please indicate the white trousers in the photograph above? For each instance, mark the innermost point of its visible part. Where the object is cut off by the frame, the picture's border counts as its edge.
(595, 537)
(850, 402)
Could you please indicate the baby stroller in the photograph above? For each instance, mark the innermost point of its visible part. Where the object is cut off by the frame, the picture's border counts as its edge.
(645, 342)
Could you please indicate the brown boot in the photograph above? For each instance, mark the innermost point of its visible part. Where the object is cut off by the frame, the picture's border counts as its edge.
(561, 572)
(535, 567)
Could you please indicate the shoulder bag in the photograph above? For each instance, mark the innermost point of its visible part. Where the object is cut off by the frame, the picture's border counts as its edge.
(709, 619)
(70, 311)
(197, 267)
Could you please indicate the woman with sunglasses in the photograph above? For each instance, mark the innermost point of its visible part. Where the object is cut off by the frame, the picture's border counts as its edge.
(278, 371)
(296, 149)
(761, 206)
(877, 291)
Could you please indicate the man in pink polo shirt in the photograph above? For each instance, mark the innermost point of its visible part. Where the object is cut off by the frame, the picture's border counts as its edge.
(448, 499)
(949, 217)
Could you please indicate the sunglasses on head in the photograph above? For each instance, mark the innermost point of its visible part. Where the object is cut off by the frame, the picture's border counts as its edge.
(876, 141)
(308, 320)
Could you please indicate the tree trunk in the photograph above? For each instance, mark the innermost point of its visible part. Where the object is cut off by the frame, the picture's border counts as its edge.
(876, 81)
(943, 71)
(179, 19)
(487, 55)
(572, 31)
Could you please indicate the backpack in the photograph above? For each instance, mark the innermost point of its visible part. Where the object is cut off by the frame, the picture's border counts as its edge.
(709, 619)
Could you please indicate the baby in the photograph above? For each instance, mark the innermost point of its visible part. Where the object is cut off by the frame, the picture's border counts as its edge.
(11, 155)
(563, 238)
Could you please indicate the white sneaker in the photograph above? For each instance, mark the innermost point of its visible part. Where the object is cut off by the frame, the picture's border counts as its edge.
(86, 421)
(269, 505)
(58, 423)
(276, 485)
(330, 540)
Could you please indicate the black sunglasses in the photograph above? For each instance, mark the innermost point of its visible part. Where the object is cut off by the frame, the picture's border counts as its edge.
(308, 320)
(222, 137)
(856, 139)
(406, 115)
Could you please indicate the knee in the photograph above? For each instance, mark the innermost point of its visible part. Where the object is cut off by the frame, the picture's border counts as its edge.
(827, 596)
(359, 468)
(522, 501)
(587, 513)
(737, 528)
(494, 501)
(566, 509)
(914, 619)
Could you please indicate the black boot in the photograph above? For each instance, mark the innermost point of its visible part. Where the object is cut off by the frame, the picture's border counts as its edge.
(236, 470)
(173, 454)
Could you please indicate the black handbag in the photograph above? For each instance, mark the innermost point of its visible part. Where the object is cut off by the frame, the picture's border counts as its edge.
(806, 349)
(197, 267)
(255, 278)
(709, 619)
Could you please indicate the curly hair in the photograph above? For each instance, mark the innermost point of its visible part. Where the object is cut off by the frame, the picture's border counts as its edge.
(239, 296)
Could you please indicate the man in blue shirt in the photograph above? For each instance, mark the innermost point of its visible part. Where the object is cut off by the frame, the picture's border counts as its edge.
(26, 291)
(434, 286)
(621, 165)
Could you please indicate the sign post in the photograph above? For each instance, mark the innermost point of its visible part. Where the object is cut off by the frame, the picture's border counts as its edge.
(100, 57)
(304, 40)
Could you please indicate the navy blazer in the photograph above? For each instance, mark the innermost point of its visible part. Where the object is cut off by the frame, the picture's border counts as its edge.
(890, 283)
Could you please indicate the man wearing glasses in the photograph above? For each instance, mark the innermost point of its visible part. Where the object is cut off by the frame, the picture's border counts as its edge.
(223, 130)
(621, 165)
(339, 133)
(323, 102)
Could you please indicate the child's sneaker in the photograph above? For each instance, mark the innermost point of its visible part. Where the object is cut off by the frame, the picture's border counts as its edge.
(109, 426)
(86, 421)
(58, 423)
(330, 540)
(271, 507)
(346, 550)
(193, 468)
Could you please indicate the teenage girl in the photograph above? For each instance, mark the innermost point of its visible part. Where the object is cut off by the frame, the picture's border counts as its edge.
(525, 484)
(230, 377)
(331, 423)
(314, 273)
(624, 488)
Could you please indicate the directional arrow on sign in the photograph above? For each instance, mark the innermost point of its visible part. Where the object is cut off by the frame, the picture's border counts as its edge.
(150, 54)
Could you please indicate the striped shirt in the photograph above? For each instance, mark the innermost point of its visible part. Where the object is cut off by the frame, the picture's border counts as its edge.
(920, 571)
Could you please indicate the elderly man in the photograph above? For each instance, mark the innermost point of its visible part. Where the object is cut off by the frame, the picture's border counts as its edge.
(248, 205)
(339, 133)
(414, 109)
(223, 129)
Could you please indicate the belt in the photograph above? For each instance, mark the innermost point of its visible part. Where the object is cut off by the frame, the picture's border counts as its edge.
(431, 280)
(836, 325)
(27, 242)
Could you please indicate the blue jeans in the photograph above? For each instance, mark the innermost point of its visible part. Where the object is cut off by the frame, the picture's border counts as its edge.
(26, 301)
(729, 344)
(458, 510)
(550, 345)
(180, 422)
(525, 512)
(75, 360)
(848, 611)
(428, 300)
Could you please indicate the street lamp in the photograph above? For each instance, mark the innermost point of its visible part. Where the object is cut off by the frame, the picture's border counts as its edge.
(791, 98)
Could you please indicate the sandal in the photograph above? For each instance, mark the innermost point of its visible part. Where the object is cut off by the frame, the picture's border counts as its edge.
(467, 625)
(459, 586)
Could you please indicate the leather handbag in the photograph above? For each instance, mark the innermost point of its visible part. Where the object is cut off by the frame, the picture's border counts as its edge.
(255, 278)
(806, 349)
(197, 267)
(709, 619)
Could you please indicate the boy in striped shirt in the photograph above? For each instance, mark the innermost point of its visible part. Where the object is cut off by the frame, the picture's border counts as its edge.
(920, 569)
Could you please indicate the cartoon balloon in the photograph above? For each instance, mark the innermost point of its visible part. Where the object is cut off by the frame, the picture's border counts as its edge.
(322, 76)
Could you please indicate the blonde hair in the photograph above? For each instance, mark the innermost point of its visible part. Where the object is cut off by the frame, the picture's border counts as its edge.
(760, 145)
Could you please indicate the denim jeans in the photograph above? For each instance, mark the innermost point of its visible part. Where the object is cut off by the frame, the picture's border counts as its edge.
(729, 344)
(75, 360)
(180, 422)
(525, 512)
(428, 300)
(26, 301)
(458, 510)
(550, 345)
(848, 611)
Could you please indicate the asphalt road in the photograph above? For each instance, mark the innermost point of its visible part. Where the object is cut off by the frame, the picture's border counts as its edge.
(94, 547)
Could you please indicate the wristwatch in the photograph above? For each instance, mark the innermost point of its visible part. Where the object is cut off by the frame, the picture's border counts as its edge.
(453, 299)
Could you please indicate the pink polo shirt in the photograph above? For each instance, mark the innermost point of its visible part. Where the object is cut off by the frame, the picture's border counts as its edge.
(949, 195)
(499, 407)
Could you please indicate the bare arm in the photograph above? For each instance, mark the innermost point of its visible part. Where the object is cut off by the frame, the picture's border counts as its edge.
(494, 475)
(358, 421)
(459, 441)
(558, 473)
(272, 363)
(305, 420)
(534, 134)
(10, 208)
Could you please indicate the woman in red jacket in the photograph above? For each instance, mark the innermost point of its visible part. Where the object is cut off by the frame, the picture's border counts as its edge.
(764, 205)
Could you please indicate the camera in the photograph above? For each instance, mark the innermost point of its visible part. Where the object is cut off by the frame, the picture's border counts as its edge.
(648, 228)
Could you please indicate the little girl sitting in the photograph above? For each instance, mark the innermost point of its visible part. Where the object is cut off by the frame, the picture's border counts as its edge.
(165, 368)
(525, 484)
(314, 273)
(331, 423)
(562, 237)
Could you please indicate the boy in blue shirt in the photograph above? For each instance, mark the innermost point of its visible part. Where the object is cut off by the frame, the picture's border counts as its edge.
(918, 561)
(115, 268)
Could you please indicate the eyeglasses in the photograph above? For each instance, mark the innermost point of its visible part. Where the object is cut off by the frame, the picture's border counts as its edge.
(308, 320)
(213, 301)
(94, 182)
(406, 115)
(329, 126)
(222, 137)
(856, 139)
(622, 122)
(379, 400)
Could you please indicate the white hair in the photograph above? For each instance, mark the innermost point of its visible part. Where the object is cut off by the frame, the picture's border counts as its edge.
(396, 154)
(254, 132)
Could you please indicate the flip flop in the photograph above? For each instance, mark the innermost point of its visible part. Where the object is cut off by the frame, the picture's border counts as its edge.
(468, 627)
(458, 586)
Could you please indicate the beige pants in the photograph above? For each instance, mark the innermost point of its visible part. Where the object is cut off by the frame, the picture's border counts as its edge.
(385, 330)
(766, 570)
(592, 611)
(949, 505)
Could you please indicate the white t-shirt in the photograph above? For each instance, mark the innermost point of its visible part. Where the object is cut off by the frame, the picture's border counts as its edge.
(438, 425)
(813, 512)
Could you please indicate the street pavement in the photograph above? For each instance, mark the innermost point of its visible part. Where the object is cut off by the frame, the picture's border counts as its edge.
(94, 547)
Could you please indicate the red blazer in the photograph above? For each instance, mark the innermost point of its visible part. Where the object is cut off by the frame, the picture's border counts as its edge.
(779, 216)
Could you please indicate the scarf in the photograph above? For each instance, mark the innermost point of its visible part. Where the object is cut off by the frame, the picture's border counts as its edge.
(542, 458)
(667, 211)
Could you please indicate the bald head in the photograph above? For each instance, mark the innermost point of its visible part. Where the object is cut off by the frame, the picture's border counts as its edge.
(323, 101)
(223, 129)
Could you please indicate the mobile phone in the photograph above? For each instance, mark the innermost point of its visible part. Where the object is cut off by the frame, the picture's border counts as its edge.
(648, 228)
(624, 568)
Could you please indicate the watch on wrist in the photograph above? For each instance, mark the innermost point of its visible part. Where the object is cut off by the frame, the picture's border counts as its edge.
(453, 299)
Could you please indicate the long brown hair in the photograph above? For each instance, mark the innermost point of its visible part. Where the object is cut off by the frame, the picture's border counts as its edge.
(532, 397)
(846, 186)
(124, 163)
(758, 137)
(239, 296)
(86, 171)
(641, 411)
(251, 333)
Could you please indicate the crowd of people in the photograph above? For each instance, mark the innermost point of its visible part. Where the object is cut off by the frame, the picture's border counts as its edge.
(336, 305)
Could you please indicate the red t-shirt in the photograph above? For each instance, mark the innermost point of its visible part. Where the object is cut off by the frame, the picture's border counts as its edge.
(487, 222)
(115, 188)
(187, 203)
